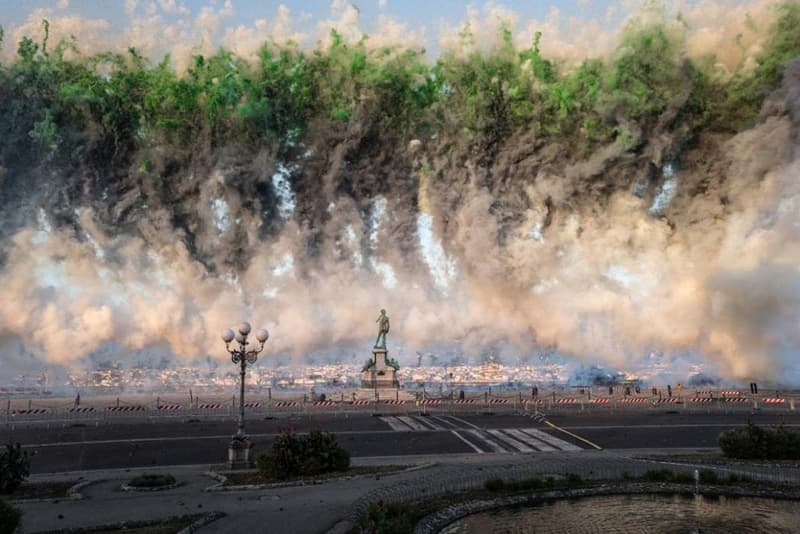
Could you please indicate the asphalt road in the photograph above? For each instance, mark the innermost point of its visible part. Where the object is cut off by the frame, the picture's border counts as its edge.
(83, 446)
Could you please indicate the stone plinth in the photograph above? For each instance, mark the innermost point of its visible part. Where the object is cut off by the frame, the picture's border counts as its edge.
(240, 454)
(379, 374)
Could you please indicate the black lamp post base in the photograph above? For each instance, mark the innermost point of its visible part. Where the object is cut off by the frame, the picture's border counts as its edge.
(240, 454)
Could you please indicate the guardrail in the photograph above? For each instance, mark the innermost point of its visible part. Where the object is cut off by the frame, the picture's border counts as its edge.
(121, 410)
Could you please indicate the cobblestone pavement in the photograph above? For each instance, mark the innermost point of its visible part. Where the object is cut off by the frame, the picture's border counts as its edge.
(318, 508)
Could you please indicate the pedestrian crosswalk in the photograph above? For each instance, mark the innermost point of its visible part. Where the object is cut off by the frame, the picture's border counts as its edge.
(495, 440)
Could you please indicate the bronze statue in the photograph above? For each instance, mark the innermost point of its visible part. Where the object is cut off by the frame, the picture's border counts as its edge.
(383, 329)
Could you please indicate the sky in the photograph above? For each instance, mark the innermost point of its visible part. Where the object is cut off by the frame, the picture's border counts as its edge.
(423, 17)
(572, 29)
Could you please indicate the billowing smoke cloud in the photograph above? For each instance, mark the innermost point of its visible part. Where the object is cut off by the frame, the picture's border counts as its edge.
(533, 253)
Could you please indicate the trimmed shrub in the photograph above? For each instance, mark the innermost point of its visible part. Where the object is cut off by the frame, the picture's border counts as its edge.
(15, 466)
(754, 442)
(494, 484)
(707, 476)
(152, 481)
(10, 518)
(573, 479)
(391, 518)
(294, 455)
(667, 475)
(528, 484)
(733, 478)
(657, 475)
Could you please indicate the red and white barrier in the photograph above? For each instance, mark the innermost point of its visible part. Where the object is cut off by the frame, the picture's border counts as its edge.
(465, 401)
(322, 404)
(285, 404)
(86, 409)
(361, 403)
(252, 404)
(169, 407)
(430, 402)
(396, 401)
(737, 399)
(499, 401)
(671, 400)
(601, 400)
(210, 406)
(701, 400)
(126, 408)
(634, 400)
(730, 392)
(773, 400)
(568, 400)
(31, 411)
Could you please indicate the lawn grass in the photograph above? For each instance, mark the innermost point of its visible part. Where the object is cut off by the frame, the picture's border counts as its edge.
(42, 490)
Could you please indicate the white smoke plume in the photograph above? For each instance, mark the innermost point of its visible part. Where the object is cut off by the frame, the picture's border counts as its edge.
(714, 270)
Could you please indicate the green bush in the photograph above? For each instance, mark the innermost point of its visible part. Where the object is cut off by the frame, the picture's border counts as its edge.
(754, 442)
(152, 481)
(707, 476)
(10, 518)
(494, 484)
(526, 484)
(102, 109)
(390, 518)
(574, 480)
(293, 455)
(736, 479)
(15, 466)
(657, 475)
(667, 475)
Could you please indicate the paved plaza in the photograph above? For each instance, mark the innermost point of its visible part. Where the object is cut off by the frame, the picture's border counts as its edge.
(334, 503)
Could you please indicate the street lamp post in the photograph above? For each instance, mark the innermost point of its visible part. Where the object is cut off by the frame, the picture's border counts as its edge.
(240, 447)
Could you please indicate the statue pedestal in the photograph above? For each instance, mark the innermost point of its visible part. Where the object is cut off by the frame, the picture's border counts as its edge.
(240, 454)
(379, 374)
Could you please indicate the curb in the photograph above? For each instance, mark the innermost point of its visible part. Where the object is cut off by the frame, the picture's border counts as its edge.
(310, 482)
(73, 494)
(126, 487)
(200, 523)
(437, 521)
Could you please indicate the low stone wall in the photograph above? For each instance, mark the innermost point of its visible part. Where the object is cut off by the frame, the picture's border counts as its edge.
(439, 520)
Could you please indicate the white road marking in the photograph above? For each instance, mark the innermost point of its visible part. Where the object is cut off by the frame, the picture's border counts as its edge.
(396, 424)
(521, 447)
(462, 421)
(530, 440)
(429, 421)
(490, 442)
(445, 421)
(552, 440)
(462, 438)
(412, 423)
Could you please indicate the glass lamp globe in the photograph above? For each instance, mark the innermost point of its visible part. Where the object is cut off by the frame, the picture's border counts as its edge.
(244, 328)
(262, 335)
(239, 337)
(227, 335)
